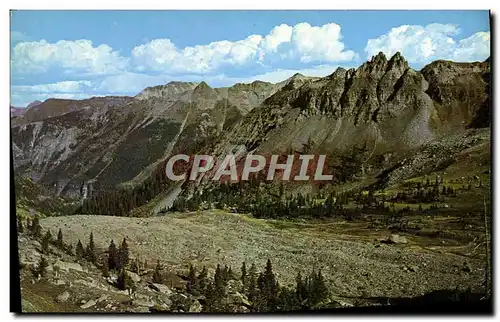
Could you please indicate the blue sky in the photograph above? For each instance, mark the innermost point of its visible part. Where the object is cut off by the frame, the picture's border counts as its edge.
(77, 54)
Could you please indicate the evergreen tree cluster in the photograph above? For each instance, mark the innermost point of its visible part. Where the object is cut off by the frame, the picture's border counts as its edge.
(247, 197)
(262, 289)
(119, 202)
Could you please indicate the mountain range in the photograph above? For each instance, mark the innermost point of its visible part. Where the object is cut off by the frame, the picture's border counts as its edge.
(396, 121)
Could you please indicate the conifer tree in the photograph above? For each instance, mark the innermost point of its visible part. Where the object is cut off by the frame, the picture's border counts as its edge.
(157, 275)
(244, 274)
(287, 300)
(80, 252)
(269, 288)
(252, 291)
(112, 256)
(46, 241)
(219, 283)
(210, 298)
(301, 290)
(35, 228)
(191, 280)
(123, 254)
(60, 242)
(319, 289)
(90, 252)
(124, 281)
(41, 268)
(202, 280)
(105, 268)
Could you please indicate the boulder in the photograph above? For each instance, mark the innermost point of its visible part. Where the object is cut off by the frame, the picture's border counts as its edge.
(143, 302)
(89, 304)
(195, 307)
(395, 239)
(135, 278)
(63, 297)
(102, 298)
(66, 266)
(160, 288)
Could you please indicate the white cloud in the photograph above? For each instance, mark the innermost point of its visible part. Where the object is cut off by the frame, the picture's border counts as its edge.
(423, 44)
(90, 70)
(78, 56)
(302, 42)
(60, 87)
(127, 83)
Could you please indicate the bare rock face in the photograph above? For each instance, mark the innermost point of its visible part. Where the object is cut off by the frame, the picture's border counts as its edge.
(66, 266)
(171, 90)
(383, 103)
(461, 91)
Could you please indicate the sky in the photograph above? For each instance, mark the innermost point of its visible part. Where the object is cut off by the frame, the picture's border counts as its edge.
(79, 54)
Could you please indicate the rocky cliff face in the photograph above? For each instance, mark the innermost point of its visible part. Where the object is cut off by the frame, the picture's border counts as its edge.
(76, 147)
(383, 103)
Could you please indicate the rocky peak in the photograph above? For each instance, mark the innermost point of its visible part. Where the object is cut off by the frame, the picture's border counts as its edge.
(203, 91)
(397, 61)
(170, 90)
(296, 81)
(33, 104)
(379, 58)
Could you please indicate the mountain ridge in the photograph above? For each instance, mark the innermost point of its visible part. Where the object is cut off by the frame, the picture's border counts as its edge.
(76, 147)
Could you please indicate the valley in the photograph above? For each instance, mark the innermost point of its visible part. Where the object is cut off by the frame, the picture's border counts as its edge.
(406, 212)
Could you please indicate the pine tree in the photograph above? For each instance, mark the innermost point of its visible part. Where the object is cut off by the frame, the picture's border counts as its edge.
(123, 255)
(47, 238)
(244, 274)
(301, 290)
(320, 290)
(112, 256)
(287, 300)
(210, 298)
(191, 280)
(124, 281)
(60, 242)
(269, 288)
(105, 268)
(202, 280)
(35, 228)
(219, 283)
(252, 291)
(90, 252)
(157, 275)
(41, 268)
(80, 252)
